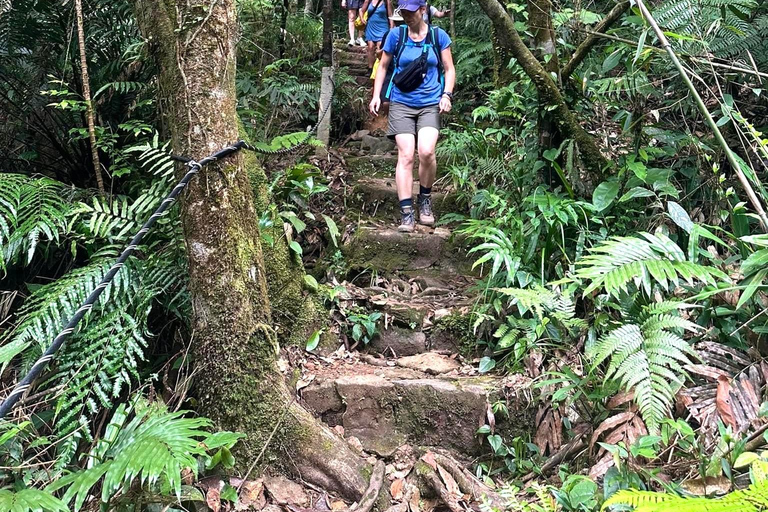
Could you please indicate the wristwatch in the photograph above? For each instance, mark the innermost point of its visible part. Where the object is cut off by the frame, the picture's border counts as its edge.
(449, 94)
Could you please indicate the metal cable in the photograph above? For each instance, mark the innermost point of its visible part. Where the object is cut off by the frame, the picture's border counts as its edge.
(194, 167)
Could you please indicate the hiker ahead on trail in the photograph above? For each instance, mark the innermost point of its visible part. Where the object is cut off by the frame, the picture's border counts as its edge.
(352, 7)
(420, 89)
(376, 25)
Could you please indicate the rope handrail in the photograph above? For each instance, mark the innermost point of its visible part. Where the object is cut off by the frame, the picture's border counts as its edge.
(193, 168)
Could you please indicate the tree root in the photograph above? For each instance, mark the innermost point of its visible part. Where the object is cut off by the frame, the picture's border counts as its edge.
(430, 481)
(372, 493)
(467, 482)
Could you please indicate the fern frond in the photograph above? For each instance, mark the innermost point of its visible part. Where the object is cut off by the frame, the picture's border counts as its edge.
(619, 261)
(646, 356)
(752, 499)
(32, 210)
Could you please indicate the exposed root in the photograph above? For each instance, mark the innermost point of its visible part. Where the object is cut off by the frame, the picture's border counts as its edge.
(372, 493)
(430, 477)
(467, 482)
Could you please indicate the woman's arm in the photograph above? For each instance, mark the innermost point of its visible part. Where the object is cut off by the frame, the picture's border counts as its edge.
(363, 9)
(449, 73)
(389, 13)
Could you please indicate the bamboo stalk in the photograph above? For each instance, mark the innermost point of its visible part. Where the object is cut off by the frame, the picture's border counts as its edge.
(707, 116)
(87, 97)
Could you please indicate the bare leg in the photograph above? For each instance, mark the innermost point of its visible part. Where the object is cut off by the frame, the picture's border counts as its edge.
(427, 162)
(371, 53)
(406, 145)
(351, 16)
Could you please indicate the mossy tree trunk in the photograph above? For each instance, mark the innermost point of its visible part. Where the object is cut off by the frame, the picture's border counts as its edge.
(234, 345)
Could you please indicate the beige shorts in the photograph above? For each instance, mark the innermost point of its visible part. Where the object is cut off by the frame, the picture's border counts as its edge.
(405, 119)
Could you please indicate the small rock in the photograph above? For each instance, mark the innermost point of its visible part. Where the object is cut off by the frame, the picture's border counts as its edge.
(376, 145)
(429, 362)
(355, 444)
(442, 313)
(286, 492)
(358, 135)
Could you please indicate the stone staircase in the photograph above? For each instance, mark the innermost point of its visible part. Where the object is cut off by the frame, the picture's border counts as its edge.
(354, 59)
(410, 385)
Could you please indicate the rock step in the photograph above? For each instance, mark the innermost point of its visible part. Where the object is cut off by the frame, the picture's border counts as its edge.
(379, 196)
(382, 165)
(386, 407)
(386, 249)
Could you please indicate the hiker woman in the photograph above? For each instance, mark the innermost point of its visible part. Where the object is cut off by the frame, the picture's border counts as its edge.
(353, 11)
(376, 25)
(420, 90)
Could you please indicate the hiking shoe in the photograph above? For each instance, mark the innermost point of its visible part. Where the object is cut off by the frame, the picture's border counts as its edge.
(361, 41)
(351, 42)
(426, 217)
(407, 221)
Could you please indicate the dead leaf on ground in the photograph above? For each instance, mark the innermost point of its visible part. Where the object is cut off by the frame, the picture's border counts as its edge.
(413, 503)
(213, 499)
(723, 402)
(338, 505)
(397, 488)
(711, 485)
(429, 458)
(450, 483)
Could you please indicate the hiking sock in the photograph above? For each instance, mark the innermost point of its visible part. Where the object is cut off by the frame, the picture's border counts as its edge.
(406, 203)
(424, 191)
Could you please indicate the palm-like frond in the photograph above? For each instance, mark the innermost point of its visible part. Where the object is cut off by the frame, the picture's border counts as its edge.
(154, 445)
(620, 261)
(30, 500)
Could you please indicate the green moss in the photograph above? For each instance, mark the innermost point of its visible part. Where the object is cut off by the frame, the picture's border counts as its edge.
(459, 328)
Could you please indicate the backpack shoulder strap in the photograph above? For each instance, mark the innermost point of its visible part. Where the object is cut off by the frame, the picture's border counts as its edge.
(432, 35)
(403, 36)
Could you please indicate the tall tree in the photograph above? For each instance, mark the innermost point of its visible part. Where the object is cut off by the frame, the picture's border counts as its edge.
(235, 346)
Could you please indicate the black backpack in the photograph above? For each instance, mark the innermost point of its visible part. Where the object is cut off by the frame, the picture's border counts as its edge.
(412, 76)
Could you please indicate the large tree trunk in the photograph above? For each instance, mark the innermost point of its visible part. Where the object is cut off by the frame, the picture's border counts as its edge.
(235, 346)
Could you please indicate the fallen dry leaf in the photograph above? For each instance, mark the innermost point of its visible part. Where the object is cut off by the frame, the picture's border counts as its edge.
(338, 505)
(711, 485)
(429, 458)
(213, 499)
(723, 402)
(413, 503)
(396, 489)
(450, 484)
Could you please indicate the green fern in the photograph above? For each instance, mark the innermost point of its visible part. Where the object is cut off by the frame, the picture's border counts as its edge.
(154, 447)
(30, 500)
(32, 210)
(752, 499)
(653, 259)
(647, 355)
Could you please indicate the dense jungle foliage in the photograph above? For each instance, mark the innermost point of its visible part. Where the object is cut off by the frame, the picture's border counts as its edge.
(633, 294)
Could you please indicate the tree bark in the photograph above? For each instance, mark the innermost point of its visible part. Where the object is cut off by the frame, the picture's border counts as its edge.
(87, 97)
(328, 32)
(549, 93)
(235, 346)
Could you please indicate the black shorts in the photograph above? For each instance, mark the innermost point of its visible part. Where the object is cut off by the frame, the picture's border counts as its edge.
(353, 5)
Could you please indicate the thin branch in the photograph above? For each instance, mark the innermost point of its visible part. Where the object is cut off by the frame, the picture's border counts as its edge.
(756, 204)
(583, 50)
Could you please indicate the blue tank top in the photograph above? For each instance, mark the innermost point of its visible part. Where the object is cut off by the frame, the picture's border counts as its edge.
(378, 22)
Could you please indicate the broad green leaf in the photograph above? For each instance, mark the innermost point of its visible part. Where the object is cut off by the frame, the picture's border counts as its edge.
(313, 341)
(679, 216)
(636, 192)
(333, 230)
(604, 195)
(496, 442)
(310, 283)
(295, 247)
(486, 364)
(612, 61)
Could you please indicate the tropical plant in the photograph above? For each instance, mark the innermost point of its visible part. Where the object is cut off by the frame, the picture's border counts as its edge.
(646, 354)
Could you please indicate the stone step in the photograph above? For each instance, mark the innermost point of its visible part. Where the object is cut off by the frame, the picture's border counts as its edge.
(384, 248)
(378, 165)
(342, 47)
(386, 407)
(379, 195)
